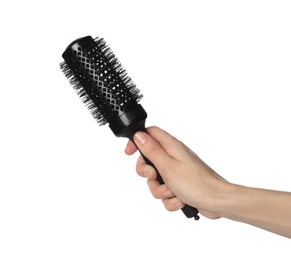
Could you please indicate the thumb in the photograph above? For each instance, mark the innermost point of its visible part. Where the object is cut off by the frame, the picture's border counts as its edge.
(152, 149)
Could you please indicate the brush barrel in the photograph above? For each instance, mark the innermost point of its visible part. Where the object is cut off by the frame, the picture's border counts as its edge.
(127, 125)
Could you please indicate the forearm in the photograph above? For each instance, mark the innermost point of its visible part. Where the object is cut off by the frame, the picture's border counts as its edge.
(266, 209)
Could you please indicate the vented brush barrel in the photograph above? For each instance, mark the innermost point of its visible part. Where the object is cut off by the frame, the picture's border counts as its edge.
(107, 91)
(102, 80)
(99, 79)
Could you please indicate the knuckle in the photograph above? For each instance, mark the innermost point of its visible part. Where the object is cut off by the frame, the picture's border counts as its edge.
(172, 204)
(138, 168)
(155, 193)
(145, 170)
(151, 172)
(155, 188)
(168, 205)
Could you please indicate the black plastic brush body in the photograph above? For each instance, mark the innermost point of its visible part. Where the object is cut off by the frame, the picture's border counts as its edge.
(107, 91)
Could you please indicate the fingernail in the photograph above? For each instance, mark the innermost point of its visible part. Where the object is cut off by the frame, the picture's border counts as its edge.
(140, 138)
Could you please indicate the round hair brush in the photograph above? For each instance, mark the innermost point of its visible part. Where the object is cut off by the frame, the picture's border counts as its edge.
(107, 91)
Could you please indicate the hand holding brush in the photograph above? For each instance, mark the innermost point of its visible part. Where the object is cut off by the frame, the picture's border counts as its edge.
(108, 92)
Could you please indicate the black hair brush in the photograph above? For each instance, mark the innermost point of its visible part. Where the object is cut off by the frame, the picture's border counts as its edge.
(107, 91)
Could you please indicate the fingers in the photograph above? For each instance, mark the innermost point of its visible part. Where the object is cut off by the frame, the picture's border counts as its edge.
(145, 170)
(162, 192)
(173, 204)
(163, 150)
(130, 148)
(153, 151)
(173, 147)
(158, 134)
(159, 191)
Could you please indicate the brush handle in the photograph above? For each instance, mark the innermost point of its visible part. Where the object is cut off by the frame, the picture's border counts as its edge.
(189, 211)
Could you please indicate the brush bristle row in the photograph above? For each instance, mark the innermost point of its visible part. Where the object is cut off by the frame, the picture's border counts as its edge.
(77, 85)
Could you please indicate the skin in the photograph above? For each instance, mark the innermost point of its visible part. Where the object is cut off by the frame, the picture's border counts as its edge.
(190, 180)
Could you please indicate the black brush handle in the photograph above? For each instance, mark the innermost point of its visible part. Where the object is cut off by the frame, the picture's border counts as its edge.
(189, 211)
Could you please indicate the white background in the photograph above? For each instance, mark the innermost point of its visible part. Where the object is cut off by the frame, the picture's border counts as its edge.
(216, 74)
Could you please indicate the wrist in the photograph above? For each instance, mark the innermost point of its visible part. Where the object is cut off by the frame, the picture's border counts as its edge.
(226, 199)
(235, 199)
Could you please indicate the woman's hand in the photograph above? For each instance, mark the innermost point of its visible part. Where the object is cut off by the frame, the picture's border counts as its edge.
(187, 178)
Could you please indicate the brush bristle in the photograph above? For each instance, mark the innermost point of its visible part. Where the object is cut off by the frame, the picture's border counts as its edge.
(99, 79)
